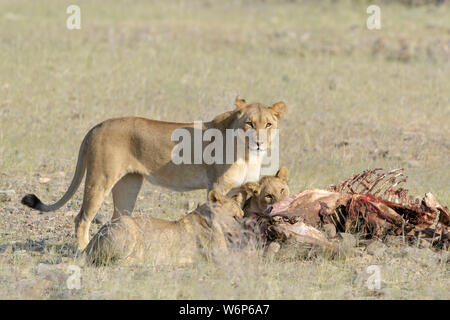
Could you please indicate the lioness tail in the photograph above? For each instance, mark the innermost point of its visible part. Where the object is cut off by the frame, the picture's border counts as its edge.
(32, 201)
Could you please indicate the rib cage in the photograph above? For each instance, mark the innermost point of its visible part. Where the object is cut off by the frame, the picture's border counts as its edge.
(381, 185)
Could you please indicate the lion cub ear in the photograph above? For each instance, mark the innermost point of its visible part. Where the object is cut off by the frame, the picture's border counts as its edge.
(278, 109)
(240, 103)
(215, 196)
(240, 198)
(283, 174)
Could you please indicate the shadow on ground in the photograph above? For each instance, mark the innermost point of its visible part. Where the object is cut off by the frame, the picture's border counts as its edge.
(65, 250)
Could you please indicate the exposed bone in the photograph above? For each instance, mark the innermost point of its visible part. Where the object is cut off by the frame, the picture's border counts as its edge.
(301, 232)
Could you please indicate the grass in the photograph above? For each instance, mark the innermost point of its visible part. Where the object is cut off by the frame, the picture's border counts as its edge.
(356, 99)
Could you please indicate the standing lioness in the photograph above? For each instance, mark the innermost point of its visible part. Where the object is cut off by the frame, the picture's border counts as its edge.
(118, 153)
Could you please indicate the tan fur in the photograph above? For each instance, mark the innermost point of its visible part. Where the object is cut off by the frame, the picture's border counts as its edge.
(119, 153)
(201, 232)
(263, 194)
(256, 199)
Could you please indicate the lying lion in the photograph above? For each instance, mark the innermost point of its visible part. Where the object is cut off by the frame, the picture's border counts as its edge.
(208, 230)
(264, 227)
(266, 192)
(258, 199)
(201, 232)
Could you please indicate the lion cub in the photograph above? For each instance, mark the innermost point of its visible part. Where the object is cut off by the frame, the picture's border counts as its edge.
(202, 231)
(257, 201)
(263, 194)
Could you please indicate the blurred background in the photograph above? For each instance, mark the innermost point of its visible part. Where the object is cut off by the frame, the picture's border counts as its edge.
(356, 97)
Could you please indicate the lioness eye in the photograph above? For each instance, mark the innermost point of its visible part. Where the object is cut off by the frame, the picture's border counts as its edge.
(250, 124)
(269, 196)
(268, 125)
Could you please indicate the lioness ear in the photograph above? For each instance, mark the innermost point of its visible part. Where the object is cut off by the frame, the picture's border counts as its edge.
(215, 196)
(278, 109)
(252, 188)
(240, 103)
(283, 174)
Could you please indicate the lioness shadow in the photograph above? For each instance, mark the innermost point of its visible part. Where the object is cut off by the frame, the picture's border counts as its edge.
(64, 250)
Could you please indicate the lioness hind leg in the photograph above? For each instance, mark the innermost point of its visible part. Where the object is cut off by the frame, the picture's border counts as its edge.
(125, 192)
(95, 192)
(84, 218)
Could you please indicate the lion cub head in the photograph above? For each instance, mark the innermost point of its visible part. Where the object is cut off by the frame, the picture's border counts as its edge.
(222, 214)
(221, 209)
(263, 194)
(256, 120)
(224, 206)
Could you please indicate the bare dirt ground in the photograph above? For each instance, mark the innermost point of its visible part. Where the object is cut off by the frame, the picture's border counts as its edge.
(356, 99)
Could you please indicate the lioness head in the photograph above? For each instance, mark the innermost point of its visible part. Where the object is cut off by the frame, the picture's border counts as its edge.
(263, 194)
(256, 120)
